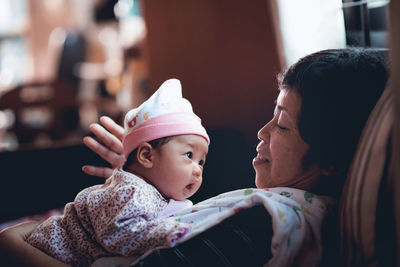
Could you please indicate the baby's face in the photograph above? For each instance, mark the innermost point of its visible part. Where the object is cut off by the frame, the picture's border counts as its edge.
(178, 166)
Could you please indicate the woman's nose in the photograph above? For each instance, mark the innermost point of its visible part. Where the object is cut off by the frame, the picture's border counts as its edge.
(263, 133)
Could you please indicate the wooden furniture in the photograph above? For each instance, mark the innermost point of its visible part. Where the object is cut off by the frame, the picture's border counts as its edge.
(42, 110)
(49, 109)
(224, 52)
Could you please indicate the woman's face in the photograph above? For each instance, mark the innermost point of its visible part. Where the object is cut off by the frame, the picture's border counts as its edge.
(281, 149)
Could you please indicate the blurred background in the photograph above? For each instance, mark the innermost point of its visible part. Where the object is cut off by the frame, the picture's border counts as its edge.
(64, 63)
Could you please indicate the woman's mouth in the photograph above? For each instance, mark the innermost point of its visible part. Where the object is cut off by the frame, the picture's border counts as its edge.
(260, 159)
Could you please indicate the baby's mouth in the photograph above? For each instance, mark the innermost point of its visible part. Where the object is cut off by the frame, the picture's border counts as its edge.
(189, 186)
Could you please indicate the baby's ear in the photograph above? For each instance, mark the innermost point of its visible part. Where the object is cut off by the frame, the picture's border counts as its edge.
(144, 155)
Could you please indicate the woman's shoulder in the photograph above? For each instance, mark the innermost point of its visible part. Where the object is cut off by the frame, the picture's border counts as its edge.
(303, 196)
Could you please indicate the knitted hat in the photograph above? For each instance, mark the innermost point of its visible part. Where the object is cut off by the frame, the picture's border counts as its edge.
(165, 113)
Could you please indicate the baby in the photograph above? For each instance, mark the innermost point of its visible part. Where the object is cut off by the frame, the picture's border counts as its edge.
(166, 147)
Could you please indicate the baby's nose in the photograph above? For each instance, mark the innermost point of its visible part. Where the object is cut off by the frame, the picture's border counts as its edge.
(197, 170)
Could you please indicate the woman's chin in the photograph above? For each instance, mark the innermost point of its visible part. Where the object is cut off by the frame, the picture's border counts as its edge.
(261, 181)
(262, 174)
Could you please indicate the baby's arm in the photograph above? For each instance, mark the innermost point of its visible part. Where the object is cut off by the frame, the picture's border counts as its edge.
(131, 226)
(136, 236)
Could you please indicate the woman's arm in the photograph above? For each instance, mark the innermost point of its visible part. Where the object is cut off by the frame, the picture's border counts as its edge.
(243, 239)
(110, 148)
(14, 251)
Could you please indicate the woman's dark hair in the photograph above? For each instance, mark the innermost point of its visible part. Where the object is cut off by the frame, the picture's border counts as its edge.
(339, 89)
(156, 143)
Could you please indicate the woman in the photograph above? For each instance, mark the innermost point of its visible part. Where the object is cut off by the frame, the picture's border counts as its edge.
(323, 104)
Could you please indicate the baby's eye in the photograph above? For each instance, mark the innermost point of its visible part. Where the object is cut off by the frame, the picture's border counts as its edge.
(189, 154)
(201, 162)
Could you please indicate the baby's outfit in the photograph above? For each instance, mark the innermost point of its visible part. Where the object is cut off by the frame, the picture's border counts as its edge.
(125, 216)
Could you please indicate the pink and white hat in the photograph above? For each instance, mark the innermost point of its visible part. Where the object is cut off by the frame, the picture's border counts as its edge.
(165, 113)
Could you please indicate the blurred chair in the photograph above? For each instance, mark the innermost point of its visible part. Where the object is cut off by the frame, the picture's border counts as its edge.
(42, 109)
(73, 52)
(49, 109)
(367, 211)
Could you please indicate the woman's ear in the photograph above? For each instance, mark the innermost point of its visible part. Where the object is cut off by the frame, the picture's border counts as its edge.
(332, 170)
(145, 155)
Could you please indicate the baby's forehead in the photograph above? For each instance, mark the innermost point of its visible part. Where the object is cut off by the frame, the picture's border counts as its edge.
(190, 140)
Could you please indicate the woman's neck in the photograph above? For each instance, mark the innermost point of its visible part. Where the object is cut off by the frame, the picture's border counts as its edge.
(316, 181)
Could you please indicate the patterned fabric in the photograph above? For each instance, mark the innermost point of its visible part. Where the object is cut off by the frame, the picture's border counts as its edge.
(359, 203)
(36, 217)
(297, 217)
(117, 218)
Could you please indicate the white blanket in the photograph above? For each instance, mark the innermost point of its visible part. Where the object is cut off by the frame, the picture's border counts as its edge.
(297, 218)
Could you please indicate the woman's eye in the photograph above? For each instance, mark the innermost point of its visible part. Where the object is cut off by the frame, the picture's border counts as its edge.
(281, 127)
(189, 155)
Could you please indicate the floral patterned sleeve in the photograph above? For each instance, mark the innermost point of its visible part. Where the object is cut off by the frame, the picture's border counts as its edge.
(123, 216)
